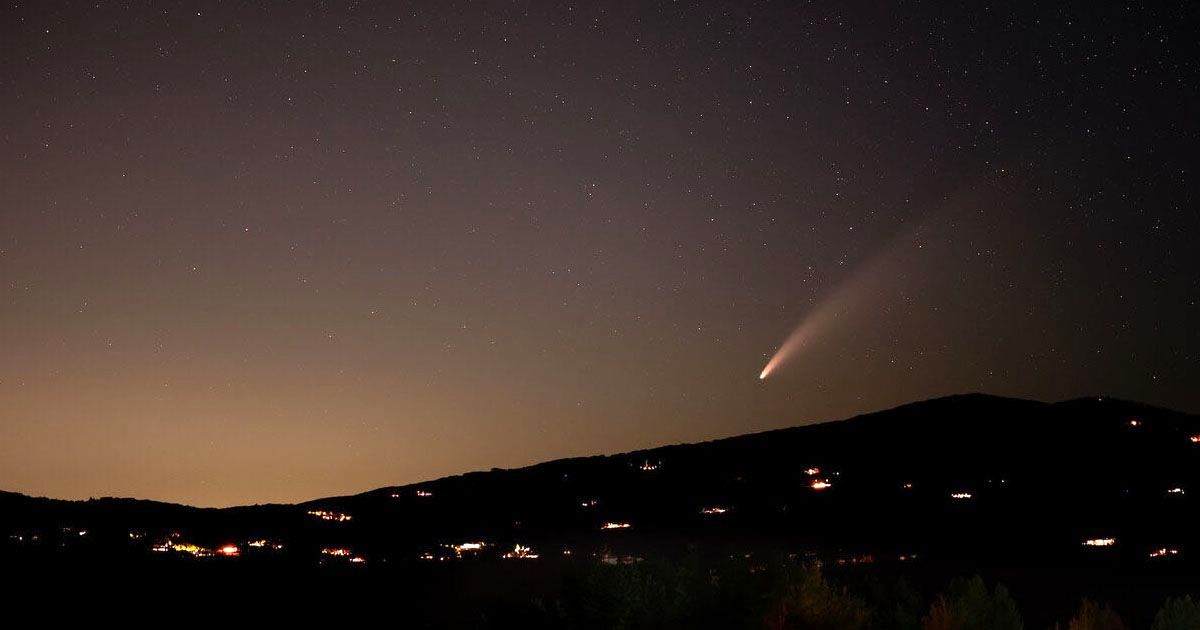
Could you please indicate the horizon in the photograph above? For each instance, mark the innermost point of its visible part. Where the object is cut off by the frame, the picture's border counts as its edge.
(877, 521)
(569, 458)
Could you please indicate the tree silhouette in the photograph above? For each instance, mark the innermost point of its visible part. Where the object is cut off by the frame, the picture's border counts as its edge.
(1177, 613)
(968, 605)
(1093, 616)
(806, 601)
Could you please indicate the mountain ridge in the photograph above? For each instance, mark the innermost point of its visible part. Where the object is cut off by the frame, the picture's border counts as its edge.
(867, 417)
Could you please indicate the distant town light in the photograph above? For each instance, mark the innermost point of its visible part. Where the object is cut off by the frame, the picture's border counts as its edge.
(182, 547)
(465, 549)
(1175, 490)
(961, 496)
(613, 525)
(521, 552)
(1164, 552)
(1134, 422)
(812, 471)
(820, 484)
(325, 515)
(1100, 542)
(229, 551)
(714, 510)
(424, 493)
(1195, 439)
(341, 553)
(612, 559)
(859, 559)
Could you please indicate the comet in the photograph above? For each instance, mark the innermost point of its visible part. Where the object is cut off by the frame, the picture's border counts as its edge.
(807, 330)
(850, 297)
(863, 289)
(869, 285)
(790, 348)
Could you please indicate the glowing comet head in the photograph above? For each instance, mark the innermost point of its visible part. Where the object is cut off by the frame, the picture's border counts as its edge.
(787, 350)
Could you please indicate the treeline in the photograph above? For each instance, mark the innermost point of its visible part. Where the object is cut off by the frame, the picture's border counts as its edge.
(782, 595)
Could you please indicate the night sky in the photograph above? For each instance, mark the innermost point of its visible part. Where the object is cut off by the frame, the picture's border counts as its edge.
(268, 251)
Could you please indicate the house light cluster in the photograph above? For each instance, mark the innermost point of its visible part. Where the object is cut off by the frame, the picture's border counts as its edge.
(326, 515)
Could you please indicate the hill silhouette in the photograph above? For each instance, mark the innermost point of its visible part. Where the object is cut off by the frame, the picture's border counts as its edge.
(1081, 490)
(1082, 467)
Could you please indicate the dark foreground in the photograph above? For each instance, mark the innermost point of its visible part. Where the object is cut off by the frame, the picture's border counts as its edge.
(879, 521)
(767, 591)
